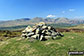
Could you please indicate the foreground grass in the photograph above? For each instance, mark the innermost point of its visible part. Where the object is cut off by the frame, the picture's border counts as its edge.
(58, 47)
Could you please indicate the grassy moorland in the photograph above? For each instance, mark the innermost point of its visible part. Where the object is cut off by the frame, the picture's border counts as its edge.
(81, 26)
(11, 44)
(19, 27)
(59, 47)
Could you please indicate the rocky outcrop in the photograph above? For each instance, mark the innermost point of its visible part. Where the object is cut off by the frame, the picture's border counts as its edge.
(40, 31)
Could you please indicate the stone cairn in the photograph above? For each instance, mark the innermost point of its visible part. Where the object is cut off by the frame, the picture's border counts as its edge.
(40, 31)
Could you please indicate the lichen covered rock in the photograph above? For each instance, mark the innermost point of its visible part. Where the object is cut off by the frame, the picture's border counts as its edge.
(40, 31)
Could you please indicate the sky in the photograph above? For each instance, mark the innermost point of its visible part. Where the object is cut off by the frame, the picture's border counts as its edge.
(16, 9)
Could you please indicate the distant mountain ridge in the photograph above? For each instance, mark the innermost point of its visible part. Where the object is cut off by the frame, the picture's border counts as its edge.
(23, 19)
(26, 21)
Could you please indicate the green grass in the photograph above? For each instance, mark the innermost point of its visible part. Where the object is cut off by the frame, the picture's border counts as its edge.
(59, 47)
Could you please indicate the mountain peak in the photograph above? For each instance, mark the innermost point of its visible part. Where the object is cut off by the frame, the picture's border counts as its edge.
(23, 19)
(62, 20)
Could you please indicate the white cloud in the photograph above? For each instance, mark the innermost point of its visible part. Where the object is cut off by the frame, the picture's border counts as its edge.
(51, 16)
(71, 10)
(63, 11)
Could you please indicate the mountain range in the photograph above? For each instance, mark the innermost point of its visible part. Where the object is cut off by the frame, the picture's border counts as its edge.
(26, 21)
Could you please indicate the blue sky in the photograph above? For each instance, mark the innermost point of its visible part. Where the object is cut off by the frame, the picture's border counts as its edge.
(15, 9)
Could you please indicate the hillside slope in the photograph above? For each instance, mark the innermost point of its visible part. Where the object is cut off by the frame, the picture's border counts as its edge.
(26, 21)
(81, 26)
(59, 47)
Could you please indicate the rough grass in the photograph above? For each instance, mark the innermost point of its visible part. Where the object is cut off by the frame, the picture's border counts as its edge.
(58, 47)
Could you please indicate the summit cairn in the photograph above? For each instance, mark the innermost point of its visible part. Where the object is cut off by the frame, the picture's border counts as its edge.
(40, 31)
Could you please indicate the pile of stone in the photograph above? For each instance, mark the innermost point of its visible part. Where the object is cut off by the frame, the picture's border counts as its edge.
(40, 31)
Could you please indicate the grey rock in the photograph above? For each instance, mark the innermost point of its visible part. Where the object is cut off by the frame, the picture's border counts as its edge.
(40, 31)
